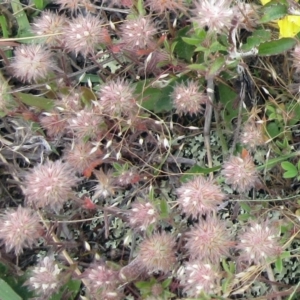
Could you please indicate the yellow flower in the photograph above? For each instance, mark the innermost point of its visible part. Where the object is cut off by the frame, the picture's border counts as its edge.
(289, 26)
(264, 2)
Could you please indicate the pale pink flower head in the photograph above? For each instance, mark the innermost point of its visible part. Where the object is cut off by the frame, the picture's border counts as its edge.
(19, 229)
(199, 197)
(116, 98)
(259, 241)
(84, 34)
(138, 32)
(214, 14)
(141, 215)
(296, 57)
(162, 6)
(32, 63)
(74, 5)
(246, 15)
(128, 177)
(50, 184)
(119, 3)
(45, 278)
(240, 173)
(54, 123)
(209, 240)
(70, 102)
(86, 124)
(252, 135)
(106, 184)
(102, 282)
(188, 99)
(157, 252)
(197, 277)
(50, 23)
(80, 156)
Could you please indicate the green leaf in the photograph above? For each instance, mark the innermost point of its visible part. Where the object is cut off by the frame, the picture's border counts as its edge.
(140, 7)
(245, 207)
(72, 287)
(15, 282)
(21, 18)
(244, 217)
(273, 130)
(7, 293)
(39, 4)
(198, 67)
(276, 47)
(214, 47)
(290, 174)
(278, 264)
(273, 12)
(156, 99)
(287, 166)
(144, 286)
(36, 101)
(216, 66)
(285, 255)
(275, 161)
(4, 26)
(225, 266)
(166, 283)
(164, 209)
(192, 41)
(227, 98)
(197, 170)
(182, 49)
(258, 36)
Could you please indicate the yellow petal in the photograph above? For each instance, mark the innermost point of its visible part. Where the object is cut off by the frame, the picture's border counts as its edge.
(289, 26)
(264, 2)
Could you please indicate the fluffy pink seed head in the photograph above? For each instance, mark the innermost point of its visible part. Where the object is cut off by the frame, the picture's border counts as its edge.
(246, 15)
(119, 3)
(296, 57)
(240, 173)
(251, 135)
(70, 102)
(79, 155)
(157, 253)
(209, 240)
(128, 177)
(32, 63)
(45, 278)
(50, 184)
(215, 14)
(53, 123)
(116, 98)
(84, 34)
(187, 99)
(197, 277)
(162, 6)
(73, 5)
(102, 282)
(138, 32)
(19, 229)
(86, 124)
(142, 215)
(50, 23)
(199, 197)
(259, 242)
